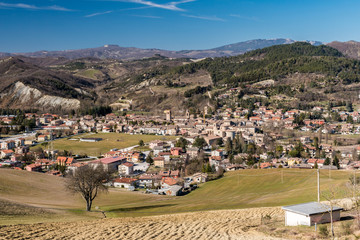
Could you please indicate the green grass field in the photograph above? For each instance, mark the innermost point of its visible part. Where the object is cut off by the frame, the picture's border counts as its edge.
(90, 73)
(239, 189)
(110, 141)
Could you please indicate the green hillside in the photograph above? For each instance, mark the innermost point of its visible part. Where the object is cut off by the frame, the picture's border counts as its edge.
(239, 189)
(242, 189)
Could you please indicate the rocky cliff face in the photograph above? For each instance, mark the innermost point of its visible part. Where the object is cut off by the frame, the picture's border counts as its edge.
(25, 85)
(21, 95)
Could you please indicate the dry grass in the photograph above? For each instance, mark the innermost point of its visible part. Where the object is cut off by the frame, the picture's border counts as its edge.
(239, 189)
(226, 224)
(36, 189)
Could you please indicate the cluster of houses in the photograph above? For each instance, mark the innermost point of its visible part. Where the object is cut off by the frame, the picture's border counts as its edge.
(228, 123)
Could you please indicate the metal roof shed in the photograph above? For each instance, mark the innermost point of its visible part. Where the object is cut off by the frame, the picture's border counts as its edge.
(310, 213)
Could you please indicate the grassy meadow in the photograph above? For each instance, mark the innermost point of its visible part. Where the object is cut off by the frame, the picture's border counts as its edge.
(238, 189)
(110, 141)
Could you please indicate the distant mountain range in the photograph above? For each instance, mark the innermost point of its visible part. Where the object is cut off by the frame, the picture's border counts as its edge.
(79, 79)
(131, 53)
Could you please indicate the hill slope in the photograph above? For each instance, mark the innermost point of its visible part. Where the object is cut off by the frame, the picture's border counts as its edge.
(305, 74)
(350, 48)
(30, 86)
(240, 189)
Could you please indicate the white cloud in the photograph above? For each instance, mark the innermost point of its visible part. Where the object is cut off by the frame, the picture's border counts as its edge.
(97, 14)
(214, 18)
(32, 7)
(245, 17)
(169, 6)
(147, 16)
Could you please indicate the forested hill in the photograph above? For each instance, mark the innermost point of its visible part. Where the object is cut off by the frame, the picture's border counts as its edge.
(274, 62)
(299, 73)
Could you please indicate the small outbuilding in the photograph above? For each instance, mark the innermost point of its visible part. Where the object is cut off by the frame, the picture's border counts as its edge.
(310, 213)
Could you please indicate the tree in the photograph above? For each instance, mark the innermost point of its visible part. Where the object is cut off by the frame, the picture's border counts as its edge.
(199, 142)
(228, 145)
(219, 142)
(88, 181)
(336, 162)
(141, 143)
(149, 159)
(350, 119)
(349, 107)
(182, 142)
(316, 143)
(316, 165)
(279, 150)
(327, 161)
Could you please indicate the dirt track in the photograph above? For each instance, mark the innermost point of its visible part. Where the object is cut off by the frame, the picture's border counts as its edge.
(226, 224)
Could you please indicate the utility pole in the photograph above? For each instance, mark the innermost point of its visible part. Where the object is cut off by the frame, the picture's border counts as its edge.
(318, 184)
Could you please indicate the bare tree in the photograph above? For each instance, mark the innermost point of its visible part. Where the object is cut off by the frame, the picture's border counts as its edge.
(332, 199)
(89, 182)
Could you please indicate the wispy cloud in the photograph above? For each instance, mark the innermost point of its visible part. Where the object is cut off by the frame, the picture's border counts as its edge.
(32, 7)
(214, 18)
(169, 6)
(98, 13)
(147, 16)
(255, 19)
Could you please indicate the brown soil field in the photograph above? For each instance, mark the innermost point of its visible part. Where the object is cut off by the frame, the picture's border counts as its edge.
(223, 224)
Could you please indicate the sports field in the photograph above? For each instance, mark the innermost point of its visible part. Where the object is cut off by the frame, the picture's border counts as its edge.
(110, 141)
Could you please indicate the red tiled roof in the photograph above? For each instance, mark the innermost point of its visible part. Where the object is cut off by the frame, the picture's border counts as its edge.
(128, 164)
(108, 160)
(125, 180)
(169, 181)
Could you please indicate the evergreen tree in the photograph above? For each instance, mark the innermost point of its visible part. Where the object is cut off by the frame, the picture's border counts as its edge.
(182, 142)
(327, 161)
(228, 145)
(199, 142)
(336, 162)
(149, 159)
(349, 107)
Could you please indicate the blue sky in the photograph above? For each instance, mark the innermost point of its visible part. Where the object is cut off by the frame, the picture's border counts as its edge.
(27, 25)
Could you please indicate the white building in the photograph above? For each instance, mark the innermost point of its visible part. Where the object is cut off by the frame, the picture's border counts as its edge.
(126, 169)
(310, 213)
(127, 183)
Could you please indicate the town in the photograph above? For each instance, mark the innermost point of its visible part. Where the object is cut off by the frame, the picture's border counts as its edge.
(204, 144)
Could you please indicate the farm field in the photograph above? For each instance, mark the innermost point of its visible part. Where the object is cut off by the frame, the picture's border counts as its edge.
(228, 208)
(226, 224)
(110, 140)
(238, 189)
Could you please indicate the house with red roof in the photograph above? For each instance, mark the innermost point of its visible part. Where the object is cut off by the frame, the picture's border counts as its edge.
(65, 161)
(125, 182)
(33, 167)
(109, 163)
(168, 181)
(126, 169)
(320, 162)
(6, 153)
(176, 151)
(265, 165)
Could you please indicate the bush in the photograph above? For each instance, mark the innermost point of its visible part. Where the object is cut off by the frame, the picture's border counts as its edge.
(346, 228)
(323, 231)
(266, 219)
